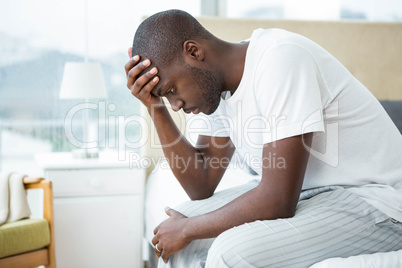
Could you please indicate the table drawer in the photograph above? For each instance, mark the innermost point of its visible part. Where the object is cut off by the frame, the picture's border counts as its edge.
(87, 182)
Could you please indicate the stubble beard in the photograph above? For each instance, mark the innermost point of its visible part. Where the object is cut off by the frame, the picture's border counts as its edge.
(210, 89)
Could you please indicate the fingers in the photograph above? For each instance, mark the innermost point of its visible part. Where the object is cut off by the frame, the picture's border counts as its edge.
(164, 256)
(157, 248)
(154, 240)
(158, 251)
(135, 69)
(143, 83)
(156, 229)
(131, 63)
(141, 79)
(130, 52)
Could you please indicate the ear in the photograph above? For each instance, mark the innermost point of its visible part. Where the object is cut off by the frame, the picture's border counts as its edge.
(193, 50)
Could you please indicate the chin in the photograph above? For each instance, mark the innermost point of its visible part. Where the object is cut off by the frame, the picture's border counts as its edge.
(210, 110)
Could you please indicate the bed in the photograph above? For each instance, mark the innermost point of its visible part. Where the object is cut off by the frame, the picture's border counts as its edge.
(371, 51)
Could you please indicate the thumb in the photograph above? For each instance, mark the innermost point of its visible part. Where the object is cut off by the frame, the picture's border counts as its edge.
(169, 211)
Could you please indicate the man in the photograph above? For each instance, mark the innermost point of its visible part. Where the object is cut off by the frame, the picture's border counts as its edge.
(278, 94)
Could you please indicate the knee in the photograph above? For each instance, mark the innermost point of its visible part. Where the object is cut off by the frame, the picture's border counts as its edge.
(189, 208)
(231, 249)
(198, 207)
(220, 253)
(242, 246)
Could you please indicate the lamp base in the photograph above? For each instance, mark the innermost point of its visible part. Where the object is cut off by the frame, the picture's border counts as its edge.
(85, 153)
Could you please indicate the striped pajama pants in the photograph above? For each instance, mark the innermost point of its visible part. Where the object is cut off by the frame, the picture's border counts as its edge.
(329, 222)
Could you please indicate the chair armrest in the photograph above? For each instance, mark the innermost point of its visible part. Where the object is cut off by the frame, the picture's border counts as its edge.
(41, 183)
(28, 180)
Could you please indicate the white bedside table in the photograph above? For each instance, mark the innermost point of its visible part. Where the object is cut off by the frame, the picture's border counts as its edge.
(98, 210)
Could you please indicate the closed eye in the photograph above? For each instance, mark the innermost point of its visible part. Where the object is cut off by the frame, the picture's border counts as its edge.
(171, 90)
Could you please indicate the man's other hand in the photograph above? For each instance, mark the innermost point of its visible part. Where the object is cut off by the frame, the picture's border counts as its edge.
(169, 235)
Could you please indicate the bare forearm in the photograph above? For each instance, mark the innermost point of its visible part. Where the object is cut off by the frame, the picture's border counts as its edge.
(186, 162)
(251, 206)
(275, 197)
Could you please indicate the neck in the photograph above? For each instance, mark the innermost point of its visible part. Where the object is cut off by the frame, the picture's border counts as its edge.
(230, 60)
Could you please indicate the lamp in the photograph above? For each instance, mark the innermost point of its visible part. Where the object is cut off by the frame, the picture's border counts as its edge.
(83, 80)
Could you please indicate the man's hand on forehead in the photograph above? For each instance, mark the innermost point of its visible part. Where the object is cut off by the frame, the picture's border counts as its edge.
(142, 78)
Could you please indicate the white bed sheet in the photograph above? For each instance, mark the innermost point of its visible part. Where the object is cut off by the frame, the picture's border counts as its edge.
(391, 259)
(164, 190)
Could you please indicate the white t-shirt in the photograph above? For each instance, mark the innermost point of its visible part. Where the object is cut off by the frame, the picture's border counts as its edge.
(292, 86)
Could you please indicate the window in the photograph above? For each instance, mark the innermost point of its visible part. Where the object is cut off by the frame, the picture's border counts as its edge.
(371, 10)
(37, 39)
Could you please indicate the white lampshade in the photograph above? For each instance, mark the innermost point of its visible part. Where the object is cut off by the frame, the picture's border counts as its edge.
(82, 80)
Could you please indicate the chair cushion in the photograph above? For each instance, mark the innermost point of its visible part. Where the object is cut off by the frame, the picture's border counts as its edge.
(23, 236)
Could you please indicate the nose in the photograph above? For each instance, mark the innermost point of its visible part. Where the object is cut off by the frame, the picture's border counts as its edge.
(176, 103)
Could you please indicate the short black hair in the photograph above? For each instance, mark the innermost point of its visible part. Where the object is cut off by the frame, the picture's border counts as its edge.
(160, 37)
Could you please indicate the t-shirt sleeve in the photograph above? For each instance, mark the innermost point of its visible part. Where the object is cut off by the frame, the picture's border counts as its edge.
(287, 90)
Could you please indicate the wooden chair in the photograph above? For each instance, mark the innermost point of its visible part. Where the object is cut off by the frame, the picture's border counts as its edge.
(43, 256)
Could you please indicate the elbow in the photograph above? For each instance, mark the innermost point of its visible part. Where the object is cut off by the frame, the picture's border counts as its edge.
(279, 210)
(202, 191)
(286, 214)
(198, 198)
(200, 195)
(278, 214)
